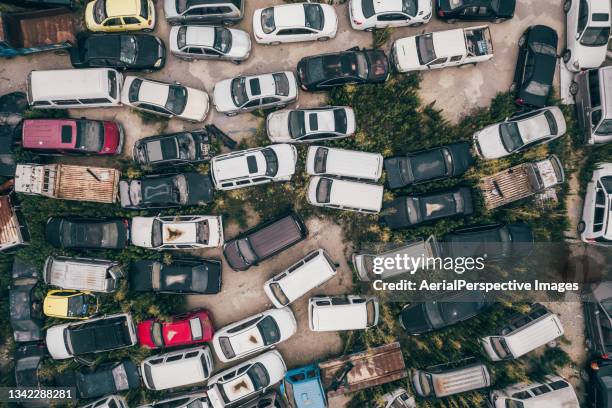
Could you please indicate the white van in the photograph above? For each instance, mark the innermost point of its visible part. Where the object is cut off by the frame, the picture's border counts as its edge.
(552, 392)
(335, 313)
(74, 88)
(94, 275)
(327, 161)
(177, 368)
(345, 194)
(525, 333)
(313, 270)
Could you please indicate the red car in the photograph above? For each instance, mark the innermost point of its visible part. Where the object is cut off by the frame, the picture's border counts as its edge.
(80, 136)
(183, 330)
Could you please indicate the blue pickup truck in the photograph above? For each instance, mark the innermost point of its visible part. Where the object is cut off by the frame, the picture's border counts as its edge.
(302, 387)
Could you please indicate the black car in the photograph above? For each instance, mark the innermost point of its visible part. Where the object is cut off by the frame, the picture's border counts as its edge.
(442, 311)
(28, 359)
(125, 51)
(189, 276)
(495, 242)
(475, 10)
(598, 318)
(166, 190)
(535, 67)
(412, 210)
(321, 72)
(24, 310)
(189, 147)
(435, 164)
(599, 386)
(84, 233)
(109, 378)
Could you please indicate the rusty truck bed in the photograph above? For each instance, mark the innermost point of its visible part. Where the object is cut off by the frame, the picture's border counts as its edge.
(82, 183)
(506, 186)
(372, 367)
(42, 27)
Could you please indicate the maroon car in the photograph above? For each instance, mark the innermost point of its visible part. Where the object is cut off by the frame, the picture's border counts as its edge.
(73, 136)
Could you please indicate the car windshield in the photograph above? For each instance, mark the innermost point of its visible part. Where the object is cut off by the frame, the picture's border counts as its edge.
(223, 39)
(367, 8)
(239, 94)
(77, 306)
(271, 162)
(246, 251)
(324, 191)
(157, 233)
(314, 16)
(297, 124)
(425, 382)
(340, 123)
(186, 146)
(362, 66)
(269, 330)
(425, 48)
(177, 99)
(181, 37)
(156, 334)
(267, 20)
(129, 49)
(226, 347)
(89, 136)
(595, 36)
(410, 7)
(500, 347)
(320, 160)
(510, 136)
(281, 84)
(432, 313)
(278, 293)
(259, 376)
(99, 11)
(544, 49)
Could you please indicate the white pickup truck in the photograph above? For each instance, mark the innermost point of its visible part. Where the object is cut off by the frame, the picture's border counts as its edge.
(441, 49)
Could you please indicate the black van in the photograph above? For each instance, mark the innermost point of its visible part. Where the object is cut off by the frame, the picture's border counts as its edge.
(264, 241)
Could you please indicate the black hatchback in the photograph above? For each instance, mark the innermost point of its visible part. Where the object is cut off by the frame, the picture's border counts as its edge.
(475, 10)
(124, 51)
(322, 72)
(174, 149)
(535, 67)
(82, 233)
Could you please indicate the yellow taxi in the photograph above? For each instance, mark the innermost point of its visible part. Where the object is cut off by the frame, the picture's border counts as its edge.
(120, 15)
(70, 304)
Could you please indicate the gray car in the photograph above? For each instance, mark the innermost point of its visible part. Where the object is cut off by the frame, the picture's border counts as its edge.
(207, 42)
(191, 400)
(203, 11)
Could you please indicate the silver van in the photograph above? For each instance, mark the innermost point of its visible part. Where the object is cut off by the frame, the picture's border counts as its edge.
(366, 264)
(94, 275)
(345, 194)
(336, 313)
(552, 392)
(329, 161)
(441, 382)
(524, 333)
(74, 88)
(592, 90)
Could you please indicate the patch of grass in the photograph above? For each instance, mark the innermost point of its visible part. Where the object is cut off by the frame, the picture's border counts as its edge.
(380, 37)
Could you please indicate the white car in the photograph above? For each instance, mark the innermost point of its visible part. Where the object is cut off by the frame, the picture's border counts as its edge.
(191, 400)
(254, 334)
(253, 166)
(370, 14)
(588, 30)
(177, 368)
(249, 93)
(161, 98)
(310, 125)
(519, 133)
(110, 401)
(294, 22)
(207, 42)
(596, 224)
(246, 380)
(177, 232)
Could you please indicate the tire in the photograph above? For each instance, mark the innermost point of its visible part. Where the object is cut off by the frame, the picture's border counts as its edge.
(522, 40)
(451, 21)
(416, 25)
(567, 5)
(573, 89)
(237, 62)
(275, 43)
(186, 59)
(369, 30)
(498, 20)
(231, 114)
(322, 39)
(567, 55)
(581, 227)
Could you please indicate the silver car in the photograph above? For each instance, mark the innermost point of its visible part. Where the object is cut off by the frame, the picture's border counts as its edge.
(192, 400)
(310, 125)
(207, 42)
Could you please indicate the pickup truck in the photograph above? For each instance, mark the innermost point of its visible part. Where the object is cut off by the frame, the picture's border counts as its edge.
(521, 181)
(441, 49)
(68, 182)
(91, 336)
(30, 32)
(310, 386)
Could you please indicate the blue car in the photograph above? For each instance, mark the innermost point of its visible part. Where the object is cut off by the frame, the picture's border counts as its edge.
(302, 387)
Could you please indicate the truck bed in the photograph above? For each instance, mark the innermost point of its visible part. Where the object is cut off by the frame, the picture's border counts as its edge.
(372, 367)
(36, 28)
(506, 186)
(78, 183)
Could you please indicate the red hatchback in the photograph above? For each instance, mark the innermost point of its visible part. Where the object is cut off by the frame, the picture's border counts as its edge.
(183, 330)
(80, 136)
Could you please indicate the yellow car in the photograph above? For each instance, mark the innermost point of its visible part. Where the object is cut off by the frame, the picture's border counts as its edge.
(70, 304)
(120, 15)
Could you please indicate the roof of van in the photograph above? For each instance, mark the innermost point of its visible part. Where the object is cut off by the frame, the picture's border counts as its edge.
(177, 373)
(53, 84)
(357, 164)
(604, 87)
(77, 275)
(340, 317)
(295, 283)
(461, 380)
(535, 334)
(357, 194)
(275, 236)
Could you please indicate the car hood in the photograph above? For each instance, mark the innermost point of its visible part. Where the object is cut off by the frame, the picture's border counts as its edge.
(241, 44)
(200, 188)
(197, 107)
(395, 178)
(414, 320)
(489, 143)
(590, 57)
(141, 231)
(278, 126)
(424, 7)
(55, 342)
(222, 96)
(149, 50)
(407, 58)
